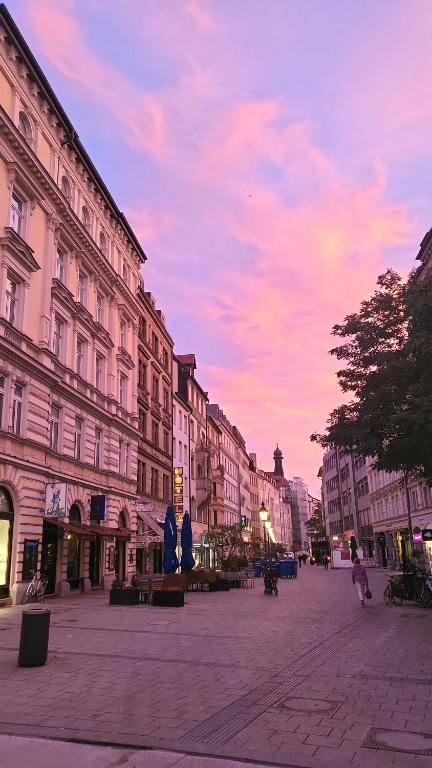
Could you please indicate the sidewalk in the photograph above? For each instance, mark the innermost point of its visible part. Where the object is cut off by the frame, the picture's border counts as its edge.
(308, 679)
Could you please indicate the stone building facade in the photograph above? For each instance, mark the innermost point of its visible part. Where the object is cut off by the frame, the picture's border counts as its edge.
(69, 276)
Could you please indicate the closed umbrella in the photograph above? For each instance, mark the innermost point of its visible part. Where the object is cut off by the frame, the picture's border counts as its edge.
(187, 561)
(170, 560)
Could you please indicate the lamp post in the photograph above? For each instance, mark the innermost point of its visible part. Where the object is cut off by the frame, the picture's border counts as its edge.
(264, 517)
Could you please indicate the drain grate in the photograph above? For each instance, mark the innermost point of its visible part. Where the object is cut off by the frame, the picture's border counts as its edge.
(410, 742)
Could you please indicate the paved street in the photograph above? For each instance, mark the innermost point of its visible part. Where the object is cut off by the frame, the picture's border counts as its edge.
(308, 679)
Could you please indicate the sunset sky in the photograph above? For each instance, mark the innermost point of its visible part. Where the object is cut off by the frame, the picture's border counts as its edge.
(273, 157)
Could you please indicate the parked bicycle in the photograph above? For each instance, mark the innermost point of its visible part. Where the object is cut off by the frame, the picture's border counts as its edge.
(404, 587)
(423, 597)
(36, 589)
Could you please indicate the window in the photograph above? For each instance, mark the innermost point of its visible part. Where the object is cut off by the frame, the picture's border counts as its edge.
(126, 461)
(154, 482)
(82, 287)
(103, 243)
(17, 214)
(192, 430)
(17, 399)
(165, 358)
(99, 372)
(174, 448)
(2, 394)
(123, 390)
(66, 188)
(80, 356)
(166, 441)
(142, 328)
(165, 487)
(24, 126)
(85, 218)
(99, 308)
(77, 439)
(142, 469)
(142, 422)
(192, 467)
(54, 428)
(155, 344)
(155, 434)
(142, 374)
(174, 415)
(185, 424)
(125, 272)
(123, 333)
(180, 450)
(122, 457)
(155, 388)
(98, 446)
(57, 337)
(11, 299)
(185, 454)
(166, 402)
(61, 266)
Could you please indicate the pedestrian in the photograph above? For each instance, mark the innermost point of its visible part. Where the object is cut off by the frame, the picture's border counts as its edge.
(326, 562)
(299, 558)
(360, 579)
(304, 558)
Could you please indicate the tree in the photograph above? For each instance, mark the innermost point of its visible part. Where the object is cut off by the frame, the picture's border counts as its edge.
(387, 352)
(315, 525)
(226, 541)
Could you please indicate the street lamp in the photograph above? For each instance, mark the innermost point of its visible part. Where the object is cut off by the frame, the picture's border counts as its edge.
(264, 517)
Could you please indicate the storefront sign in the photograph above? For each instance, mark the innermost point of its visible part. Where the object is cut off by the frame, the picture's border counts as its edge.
(178, 493)
(141, 506)
(345, 554)
(427, 534)
(97, 507)
(417, 537)
(55, 500)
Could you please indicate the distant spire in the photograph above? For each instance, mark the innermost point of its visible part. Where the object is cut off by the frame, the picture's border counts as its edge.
(278, 467)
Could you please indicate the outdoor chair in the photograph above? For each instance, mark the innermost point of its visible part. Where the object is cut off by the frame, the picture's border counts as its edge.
(192, 580)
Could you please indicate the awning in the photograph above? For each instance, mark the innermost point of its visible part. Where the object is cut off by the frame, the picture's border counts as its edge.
(108, 533)
(81, 531)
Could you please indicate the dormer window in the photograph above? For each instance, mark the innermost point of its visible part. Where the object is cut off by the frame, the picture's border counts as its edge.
(85, 217)
(66, 188)
(25, 127)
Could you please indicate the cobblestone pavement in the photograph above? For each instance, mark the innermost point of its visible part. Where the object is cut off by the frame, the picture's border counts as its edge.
(306, 679)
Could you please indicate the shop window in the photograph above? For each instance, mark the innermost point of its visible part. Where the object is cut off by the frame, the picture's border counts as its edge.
(30, 558)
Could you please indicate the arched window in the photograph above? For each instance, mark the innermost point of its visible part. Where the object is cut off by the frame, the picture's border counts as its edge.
(200, 472)
(103, 243)
(66, 188)
(85, 217)
(122, 520)
(24, 126)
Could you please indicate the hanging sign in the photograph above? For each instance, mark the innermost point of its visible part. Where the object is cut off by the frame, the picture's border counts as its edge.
(55, 500)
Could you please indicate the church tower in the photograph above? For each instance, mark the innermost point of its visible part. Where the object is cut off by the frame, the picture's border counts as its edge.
(278, 468)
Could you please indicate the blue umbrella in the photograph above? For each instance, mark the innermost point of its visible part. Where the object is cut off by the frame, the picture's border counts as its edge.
(187, 561)
(170, 560)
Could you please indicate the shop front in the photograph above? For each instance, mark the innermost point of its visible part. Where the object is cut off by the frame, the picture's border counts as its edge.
(6, 531)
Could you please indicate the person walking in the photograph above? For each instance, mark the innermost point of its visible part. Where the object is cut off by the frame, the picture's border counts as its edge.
(360, 579)
(299, 558)
(304, 558)
(326, 562)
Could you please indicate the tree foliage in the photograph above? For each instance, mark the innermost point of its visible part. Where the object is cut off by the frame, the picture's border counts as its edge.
(387, 351)
(315, 525)
(227, 541)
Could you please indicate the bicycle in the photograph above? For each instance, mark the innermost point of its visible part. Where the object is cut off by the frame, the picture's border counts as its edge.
(36, 589)
(400, 588)
(270, 583)
(423, 597)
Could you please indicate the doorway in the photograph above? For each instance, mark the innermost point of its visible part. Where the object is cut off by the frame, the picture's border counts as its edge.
(73, 551)
(94, 562)
(49, 556)
(6, 530)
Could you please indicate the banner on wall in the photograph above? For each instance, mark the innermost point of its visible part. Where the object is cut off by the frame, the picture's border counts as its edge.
(55, 500)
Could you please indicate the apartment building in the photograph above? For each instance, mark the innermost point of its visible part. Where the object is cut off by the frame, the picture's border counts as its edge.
(229, 459)
(155, 444)
(69, 313)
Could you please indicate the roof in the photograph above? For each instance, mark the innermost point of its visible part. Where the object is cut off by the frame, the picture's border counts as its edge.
(187, 360)
(72, 136)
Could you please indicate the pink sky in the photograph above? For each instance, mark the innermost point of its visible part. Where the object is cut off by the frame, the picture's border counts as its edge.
(272, 156)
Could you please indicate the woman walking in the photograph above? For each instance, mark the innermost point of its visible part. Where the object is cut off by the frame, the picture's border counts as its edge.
(360, 579)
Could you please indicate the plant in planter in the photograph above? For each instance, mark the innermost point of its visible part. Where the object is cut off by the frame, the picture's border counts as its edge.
(117, 583)
(122, 594)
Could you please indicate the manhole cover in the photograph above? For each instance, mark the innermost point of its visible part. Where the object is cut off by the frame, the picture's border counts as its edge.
(399, 741)
(299, 704)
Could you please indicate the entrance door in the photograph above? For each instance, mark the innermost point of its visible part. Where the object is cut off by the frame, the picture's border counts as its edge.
(49, 556)
(6, 528)
(120, 551)
(94, 562)
(73, 551)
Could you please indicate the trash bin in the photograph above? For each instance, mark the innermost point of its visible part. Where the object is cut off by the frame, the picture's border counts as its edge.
(33, 648)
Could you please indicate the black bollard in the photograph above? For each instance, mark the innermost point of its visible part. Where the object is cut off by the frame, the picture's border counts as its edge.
(33, 650)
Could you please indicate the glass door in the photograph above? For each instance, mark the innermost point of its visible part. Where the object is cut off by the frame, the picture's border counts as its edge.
(6, 526)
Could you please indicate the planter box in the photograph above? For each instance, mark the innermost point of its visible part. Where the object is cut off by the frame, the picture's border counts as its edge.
(169, 599)
(124, 597)
(220, 585)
